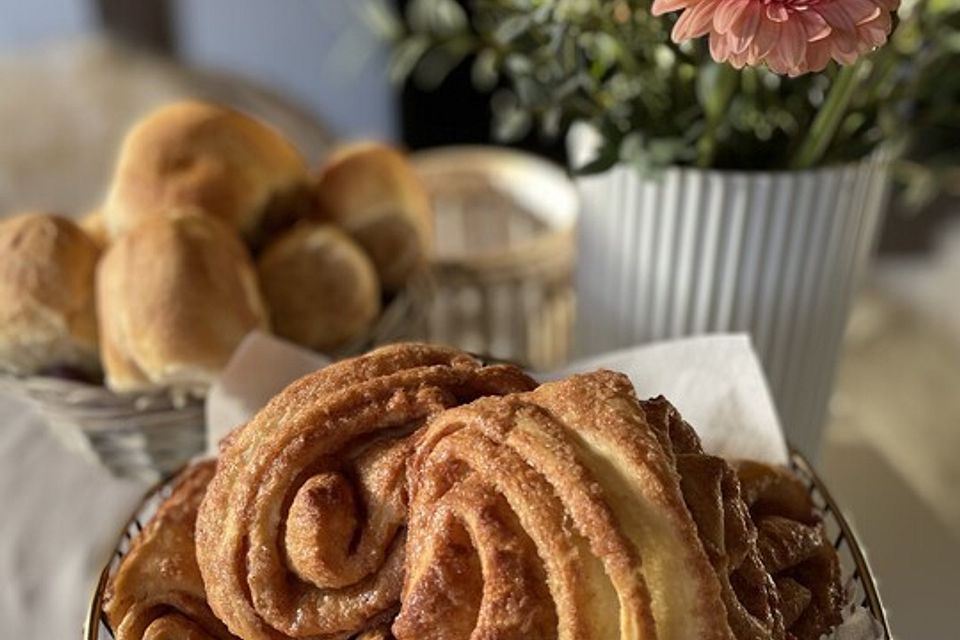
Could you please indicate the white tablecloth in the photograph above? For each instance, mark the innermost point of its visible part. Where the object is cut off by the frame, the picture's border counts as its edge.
(59, 517)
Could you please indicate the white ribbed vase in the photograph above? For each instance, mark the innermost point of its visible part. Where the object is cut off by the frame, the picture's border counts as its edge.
(775, 254)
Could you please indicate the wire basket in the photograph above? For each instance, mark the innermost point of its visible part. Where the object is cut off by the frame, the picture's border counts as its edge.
(503, 256)
(149, 436)
(852, 559)
(146, 436)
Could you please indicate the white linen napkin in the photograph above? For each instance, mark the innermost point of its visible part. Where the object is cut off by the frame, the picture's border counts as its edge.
(715, 381)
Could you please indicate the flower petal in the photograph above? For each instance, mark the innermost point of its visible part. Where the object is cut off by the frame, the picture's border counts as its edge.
(728, 13)
(836, 16)
(862, 11)
(661, 7)
(719, 47)
(694, 22)
(768, 33)
(842, 53)
(793, 44)
(744, 31)
(789, 36)
(875, 32)
(814, 25)
(818, 56)
(777, 12)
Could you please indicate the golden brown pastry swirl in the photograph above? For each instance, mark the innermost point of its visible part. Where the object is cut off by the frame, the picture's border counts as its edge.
(302, 533)
(553, 514)
(712, 494)
(794, 548)
(414, 494)
(157, 593)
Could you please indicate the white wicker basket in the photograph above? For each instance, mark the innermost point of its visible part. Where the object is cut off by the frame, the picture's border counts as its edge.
(149, 436)
(503, 256)
(136, 435)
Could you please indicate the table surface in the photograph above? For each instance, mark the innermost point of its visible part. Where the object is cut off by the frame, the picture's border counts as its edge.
(892, 449)
(60, 518)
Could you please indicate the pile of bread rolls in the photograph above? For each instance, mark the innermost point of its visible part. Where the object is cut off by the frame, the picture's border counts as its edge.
(213, 226)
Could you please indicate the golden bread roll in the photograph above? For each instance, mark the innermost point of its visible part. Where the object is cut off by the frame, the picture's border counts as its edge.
(95, 227)
(373, 192)
(156, 592)
(321, 288)
(47, 304)
(302, 531)
(193, 155)
(175, 296)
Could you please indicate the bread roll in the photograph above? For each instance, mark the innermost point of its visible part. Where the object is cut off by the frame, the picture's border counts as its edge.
(175, 296)
(207, 157)
(95, 227)
(373, 192)
(47, 310)
(320, 287)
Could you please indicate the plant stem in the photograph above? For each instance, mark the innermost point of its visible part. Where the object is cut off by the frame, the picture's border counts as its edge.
(728, 79)
(828, 119)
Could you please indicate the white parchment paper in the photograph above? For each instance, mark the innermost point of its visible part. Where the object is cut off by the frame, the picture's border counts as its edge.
(260, 368)
(715, 381)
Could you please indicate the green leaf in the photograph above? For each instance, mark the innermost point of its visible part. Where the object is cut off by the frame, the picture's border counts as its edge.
(484, 72)
(608, 155)
(405, 57)
(518, 64)
(510, 121)
(382, 19)
(551, 120)
(439, 17)
(436, 64)
(511, 28)
(632, 148)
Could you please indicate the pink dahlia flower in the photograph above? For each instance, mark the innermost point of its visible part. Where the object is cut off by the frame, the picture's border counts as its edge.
(792, 37)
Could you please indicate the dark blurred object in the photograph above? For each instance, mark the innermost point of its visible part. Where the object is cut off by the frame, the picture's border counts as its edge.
(146, 23)
(455, 113)
(907, 230)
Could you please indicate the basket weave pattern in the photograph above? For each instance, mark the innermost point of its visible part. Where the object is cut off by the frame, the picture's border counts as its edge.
(151, 435)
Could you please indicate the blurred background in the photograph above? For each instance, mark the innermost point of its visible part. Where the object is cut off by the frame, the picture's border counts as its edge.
(75, 73)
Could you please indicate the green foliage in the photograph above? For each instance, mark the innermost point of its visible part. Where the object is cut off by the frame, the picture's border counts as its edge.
(612, 64)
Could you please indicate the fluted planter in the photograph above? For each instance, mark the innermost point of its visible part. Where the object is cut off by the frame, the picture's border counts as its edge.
(689, 251)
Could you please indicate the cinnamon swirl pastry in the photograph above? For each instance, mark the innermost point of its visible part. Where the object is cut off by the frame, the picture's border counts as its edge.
(795, 549)
(553, 514)
(711, 492)
(157, 593)
(302, 533)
